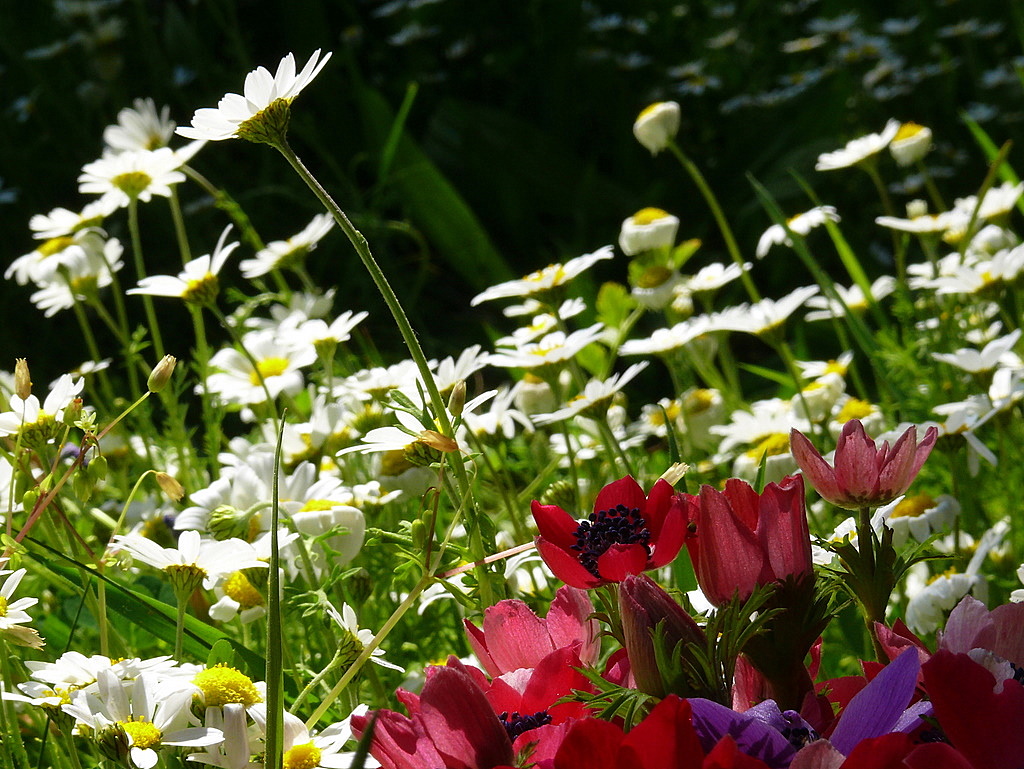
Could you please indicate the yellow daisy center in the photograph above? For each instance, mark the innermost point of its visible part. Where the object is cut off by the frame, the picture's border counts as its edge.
(3, 606)
(908, 130)
(223, 685)
(947, 573)
(912, 507)
(143, 734)
(770, 445)
(649, 216)
(835, 367)
(699, 400)
(239, 587)
(202, 290)
(318, 504)
(394, 463)
(654, 276)
(269, 367)
(54, 246)
(304, 756)
(854, 409)
(132, 183)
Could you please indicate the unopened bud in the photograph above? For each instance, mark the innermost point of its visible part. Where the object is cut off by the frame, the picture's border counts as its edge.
(97, 468)
(22, 379)
(457, 400)
(161, 374)
(675, 473)
(170, 486)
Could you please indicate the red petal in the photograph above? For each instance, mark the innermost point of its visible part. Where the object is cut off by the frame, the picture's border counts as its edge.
(856, 468)
(516, 637)
(666, 739)
(593, 744)
(554, 524)
(730, 556)
(619, 561)
(566, 566)
(658, 506)
(625, 491)
(820, 474)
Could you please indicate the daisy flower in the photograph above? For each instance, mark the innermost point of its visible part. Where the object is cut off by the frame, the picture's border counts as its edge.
(801, 224)
(145, 713)
(595, 396)
(664, 340)
(354, 639)
(500, 419)
(244, 115)
(140, 127)
(647, 230)
(134, 175)
(285, 253)
(40, 265)
(920, 516)
(197, 283)
(81, 274)
(858, 150)
(763, 316)
(910, 144)
(13, 615)
(277, 362)
(714, 276)
(977, 361)
(550, 277)
(853, 299)
(61, 222)
(556, 347)
(44, 421)
(657, 125)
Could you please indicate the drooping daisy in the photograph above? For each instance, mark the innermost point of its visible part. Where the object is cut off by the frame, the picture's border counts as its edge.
(657, 125)
(853, 299)
(140, 127)
(911, 143)
(13, 616)
(858, 150)
(544, 280)
(41, 264)
(265, 98)
(595, 398)
(133, 175)
(197, 283)
(281, 254)
(647, 230)
(986, 359)
(801, 224)
(278, 363)
(556, 347)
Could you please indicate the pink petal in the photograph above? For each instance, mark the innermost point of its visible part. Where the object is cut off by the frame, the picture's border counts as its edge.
(568, 620)
(820, 474)
(516, 637)
(855, 463)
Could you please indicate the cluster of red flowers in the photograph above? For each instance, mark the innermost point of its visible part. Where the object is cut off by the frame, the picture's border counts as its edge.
(955, 708)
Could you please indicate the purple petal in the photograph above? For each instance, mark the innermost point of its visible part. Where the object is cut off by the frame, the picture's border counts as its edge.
(875, 710)
(753, 736)
(913, 717)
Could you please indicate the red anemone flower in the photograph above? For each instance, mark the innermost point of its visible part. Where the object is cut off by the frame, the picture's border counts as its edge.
(628, 533)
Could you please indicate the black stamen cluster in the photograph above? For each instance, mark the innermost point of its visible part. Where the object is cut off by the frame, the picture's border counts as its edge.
(798, 736)
(618, 526)
(516, 724)
(1018, 672)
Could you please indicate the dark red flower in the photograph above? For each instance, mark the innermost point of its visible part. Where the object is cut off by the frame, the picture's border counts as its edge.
(739, 539)
(628, 533)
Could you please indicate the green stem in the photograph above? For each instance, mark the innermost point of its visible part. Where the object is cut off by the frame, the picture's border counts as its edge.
(179, 227)
(179, 625)
(140, 273)
(275, 638)
(723, 223)
(14, 746)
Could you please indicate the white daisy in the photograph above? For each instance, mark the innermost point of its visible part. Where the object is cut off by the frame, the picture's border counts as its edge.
(647, 230)
(595, 396)
(347, 621)
(763, 316)
(556, 347)
(194, 559)
(657, 125)
(197, 283)
(714, 276)
(284, 253)
(61, 222)
(234, 111)
(986, 359)
(911, 143)
(801, 224)
(853, 299)
(133, 174)
(544, 280)
(29, 414)
(664, 340)
(140, 128)
(859, 149)
(279, 364)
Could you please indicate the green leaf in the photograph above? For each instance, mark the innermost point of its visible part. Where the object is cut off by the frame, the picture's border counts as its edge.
(430, 200)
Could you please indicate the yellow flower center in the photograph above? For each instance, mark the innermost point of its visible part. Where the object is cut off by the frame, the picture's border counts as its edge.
(649, 216)
(202, 291)
(143, 734)
(654, 276)
(3, 606)
(269, 367)
(132, 183)
(239, 587)
(318, 504)
(223, 685)
(699, 400)
(304, 756)
(908, 130)
(835, 367)
(947, 573)
(554, 272)
(54, 246)
(912, 507)
(771, 445)
(648, 110)
(854, 409)
(394, 463)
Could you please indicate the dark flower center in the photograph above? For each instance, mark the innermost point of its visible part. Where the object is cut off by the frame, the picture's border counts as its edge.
(516, 723)
(620, 525)
(798, 736)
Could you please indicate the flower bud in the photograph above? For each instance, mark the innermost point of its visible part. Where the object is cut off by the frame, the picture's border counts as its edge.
(22, 379)
(648, 229)
(644, 606)
(161, 374)
(457, 400)
(911, 143)
(657, 125)
(170, 486)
